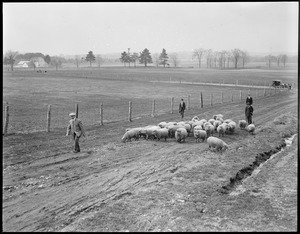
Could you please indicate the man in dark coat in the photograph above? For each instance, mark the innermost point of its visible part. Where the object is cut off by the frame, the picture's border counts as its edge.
(76, 128)
(249, 99)
(249, 112)
(182, 108)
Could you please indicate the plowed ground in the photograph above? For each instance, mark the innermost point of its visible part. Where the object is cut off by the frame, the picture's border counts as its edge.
(150, 185)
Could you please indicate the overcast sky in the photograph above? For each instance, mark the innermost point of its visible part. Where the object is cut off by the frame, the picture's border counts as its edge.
(76, 28)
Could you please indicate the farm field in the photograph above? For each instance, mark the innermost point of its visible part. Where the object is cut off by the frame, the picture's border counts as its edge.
(146, 185)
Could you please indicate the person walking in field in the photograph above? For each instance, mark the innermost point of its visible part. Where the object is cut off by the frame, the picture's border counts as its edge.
(249, 112)
(182, 108)
(76, 129)
(249, 99)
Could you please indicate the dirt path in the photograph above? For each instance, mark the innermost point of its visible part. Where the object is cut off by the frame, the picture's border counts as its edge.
(152, 185)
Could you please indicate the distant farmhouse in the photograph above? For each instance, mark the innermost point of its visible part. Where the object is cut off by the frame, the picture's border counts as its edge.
(23, 64)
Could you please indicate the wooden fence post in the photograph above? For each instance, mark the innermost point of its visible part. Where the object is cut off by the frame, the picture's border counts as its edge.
(264, 92)
(76, 110)
(189, 102)
(172, 104)
(211, 99)
(201, 100)
(153, 108)
(221, 97)
(129, 113)
(6, 118)
(101, 114)
(231, 97)
(48, 118)
(241, 95)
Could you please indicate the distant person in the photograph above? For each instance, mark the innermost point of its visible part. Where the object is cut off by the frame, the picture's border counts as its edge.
(248, 113)
(182, 108)
(249, 99)
(76, 128)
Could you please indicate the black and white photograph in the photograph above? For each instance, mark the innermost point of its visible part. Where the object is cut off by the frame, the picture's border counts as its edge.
(150, 116)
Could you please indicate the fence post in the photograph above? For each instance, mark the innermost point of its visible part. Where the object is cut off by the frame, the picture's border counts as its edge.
(6, 118)
(48, 118)
(172, 104)
(241, 95)
(221, 97)
(76, 110)
(189, 102)
(101, 114)
(231, 97)
(211, 99)
(264, 92)
(129, 113)
(201, 100)
(153, 108)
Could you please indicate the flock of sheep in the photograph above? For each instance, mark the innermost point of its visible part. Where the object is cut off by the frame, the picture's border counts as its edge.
(201, 129)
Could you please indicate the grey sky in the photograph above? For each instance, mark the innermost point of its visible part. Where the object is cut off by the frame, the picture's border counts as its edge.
(76, 28)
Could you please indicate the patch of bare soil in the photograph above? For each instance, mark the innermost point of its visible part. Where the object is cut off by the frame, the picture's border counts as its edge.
(161, 185)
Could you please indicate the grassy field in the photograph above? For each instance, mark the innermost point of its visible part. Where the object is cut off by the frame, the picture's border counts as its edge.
(29, 93)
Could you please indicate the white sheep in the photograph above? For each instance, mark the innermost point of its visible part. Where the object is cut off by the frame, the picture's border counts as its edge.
(242, 124)
(132, 133)
(221, 130)
(220, 119)
(181, 134)
(217, 143)
(216, 124)
(227, 121)
(198, 127)
(172, 129)
(251, 128)
(232, 126)
(200, 134)
(162, 124)
(147, 131)
(217, 116)
(195, 118)
(226, 127)
(211, 121)
(161, 133)
(203, 120)
(209, 129)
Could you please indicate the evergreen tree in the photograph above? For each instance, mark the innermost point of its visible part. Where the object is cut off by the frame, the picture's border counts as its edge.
(124, 58)
(145, 57)
(163, 58)
(90, 57)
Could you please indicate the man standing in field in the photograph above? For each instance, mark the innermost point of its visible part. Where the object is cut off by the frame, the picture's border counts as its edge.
(182, 108)
(249, 99)
(249, 112)
(76, 128)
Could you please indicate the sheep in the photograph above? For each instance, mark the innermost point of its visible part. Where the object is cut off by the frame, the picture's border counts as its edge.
(217, 116)
(162, 124)
(161, 133)
(188, 128)
(216, 124)
(251, 128)
(203, 120)
(242, 124)
(181, 134)
(195, 118)
(200, 134)
(198, 127)
(211, 121)
(220, 119)
(181, 123)
(209, 129)
(147, 131)
(226, 127)
(132, 133)
(227, 121)
(217, 143)
(196, 123)
(221, 130)
(172, 129)
(232, 126)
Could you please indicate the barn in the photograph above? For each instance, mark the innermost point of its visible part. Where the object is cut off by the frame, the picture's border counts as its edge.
(23, 64)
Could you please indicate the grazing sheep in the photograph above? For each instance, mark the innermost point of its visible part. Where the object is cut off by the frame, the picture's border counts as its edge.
(200, 134)
(188, 128)
(209, 129)
(162, 124)
(181, 134)
(220, 119)
(132, 133)
(251, 128)
(197, 123)
(203, 120)
(221, 130)
(216, 124)
(217, 143)
(172, 129)
(211, 121)
(242, 124)
(227, 121)
(148, 131)
(181, 123)
(198, 127)
(232, 126)
(161, 133)
(195, 118)
(218, 116)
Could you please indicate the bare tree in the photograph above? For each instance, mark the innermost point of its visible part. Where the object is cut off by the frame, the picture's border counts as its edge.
(229, 57)
(245, 57)
(10, 58)
(215, 57)
(208, 54)
(269, 59)
(284, 59)
(198, 53)
(278, 59)
(236, 55)
(99, 60)
(174, 59)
